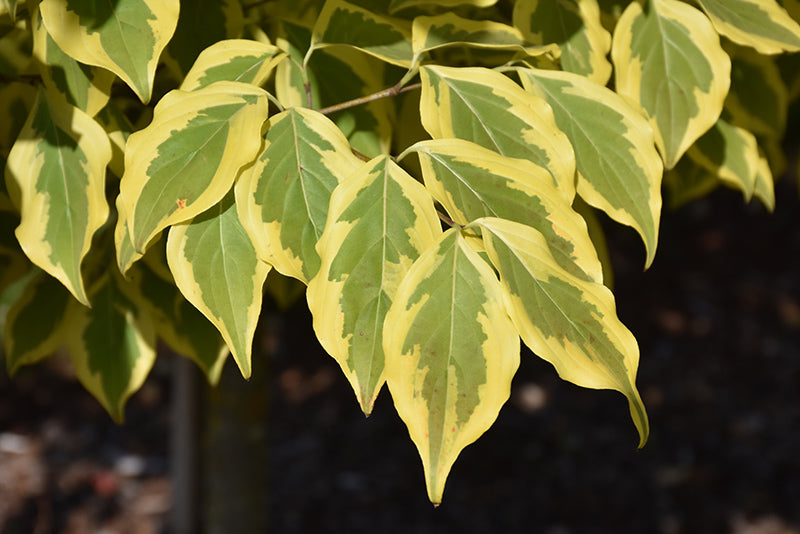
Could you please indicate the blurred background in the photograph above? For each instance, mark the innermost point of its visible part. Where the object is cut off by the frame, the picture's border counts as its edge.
(717, 318)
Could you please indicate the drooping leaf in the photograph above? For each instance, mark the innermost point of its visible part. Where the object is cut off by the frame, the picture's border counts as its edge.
(399, 5)
(290, 75)
(283, 198)
(379, 221)
(668, 59)
(201, 24)
(451, 352)
(182, 327)
(216, 268)
(761, 24)
(575, 26)
(187, 158)
(567, 321)
(85, 87)
(487, 108)
(619, 169)
(112, 344)
(765, 184)
(472, 182)
(431, 33)
(58, 167)
(34, 326)
(730, 153)
(125, 37)
(342, 23)
(234, 60)
(758, 99)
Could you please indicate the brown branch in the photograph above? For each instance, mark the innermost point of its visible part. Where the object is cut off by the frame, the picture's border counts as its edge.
(391, 91)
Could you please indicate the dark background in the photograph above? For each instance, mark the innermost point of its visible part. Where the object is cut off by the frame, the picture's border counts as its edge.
(717, 318)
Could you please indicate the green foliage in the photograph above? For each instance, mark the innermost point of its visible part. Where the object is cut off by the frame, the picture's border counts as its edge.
(427, 169)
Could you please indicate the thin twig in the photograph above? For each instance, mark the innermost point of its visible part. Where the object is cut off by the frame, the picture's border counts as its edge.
(391, 91)
(447, 220)
(309, 96)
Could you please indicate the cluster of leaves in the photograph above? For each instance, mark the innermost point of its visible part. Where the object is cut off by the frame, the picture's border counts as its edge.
(428, 169)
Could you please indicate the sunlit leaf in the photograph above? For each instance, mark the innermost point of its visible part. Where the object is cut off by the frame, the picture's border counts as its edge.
(451, 352)
(125, 37)
(187, 158)
(283, 198)
(234, 60)
(379, 221)
(619, 169)
(487, 108)
(567, 321)
(58, 166)
(669, 60)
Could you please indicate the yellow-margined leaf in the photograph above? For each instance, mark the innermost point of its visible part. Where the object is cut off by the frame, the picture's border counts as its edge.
(575, 26)
(472, 182)
(34, 326)
(487, 108)
(668, 59)
(234, 60)
(379, 221)
(451, 352)
(430, 33)
(85, 87)
(187, 158)
(58, 167)
(765, 184)
(342, 23)
(731, 154)
(567, 321)
(125, 37)
(216, 268)
(619, 169)
(399, 5)
(283, 198)
(112, 344)
(761, 24)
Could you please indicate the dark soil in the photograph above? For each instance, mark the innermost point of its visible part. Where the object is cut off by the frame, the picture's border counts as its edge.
(718, 323)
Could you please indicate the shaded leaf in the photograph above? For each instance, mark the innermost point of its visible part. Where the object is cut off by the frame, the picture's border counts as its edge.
(619, 169)
(567, 321)
(379, 221)
(399, 5)
(451, 352)
(58, 167)
(201, 24)
(761, 24)
(283, 198)
(669, 60)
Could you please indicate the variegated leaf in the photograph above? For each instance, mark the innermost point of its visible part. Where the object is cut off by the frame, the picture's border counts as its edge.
(567, 321)
(187, 158)
(216, 268)
(290, 76)
(58, 167)
(234, 60)
(487, 108)
(10, 7)
(765, 184)
(126, 37)
(35, 324)
(619, 169)
(758, 99)
(575, 26)
(399, 5)
(201, 24)
(761, 24)
(472, 182)
(430, 33)
(112, 345)
(283, 198)
(85, 87)
(379, 221)
(669, 60)
(342, 23)
(451, 352)
(730, 153)
(182, 327)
